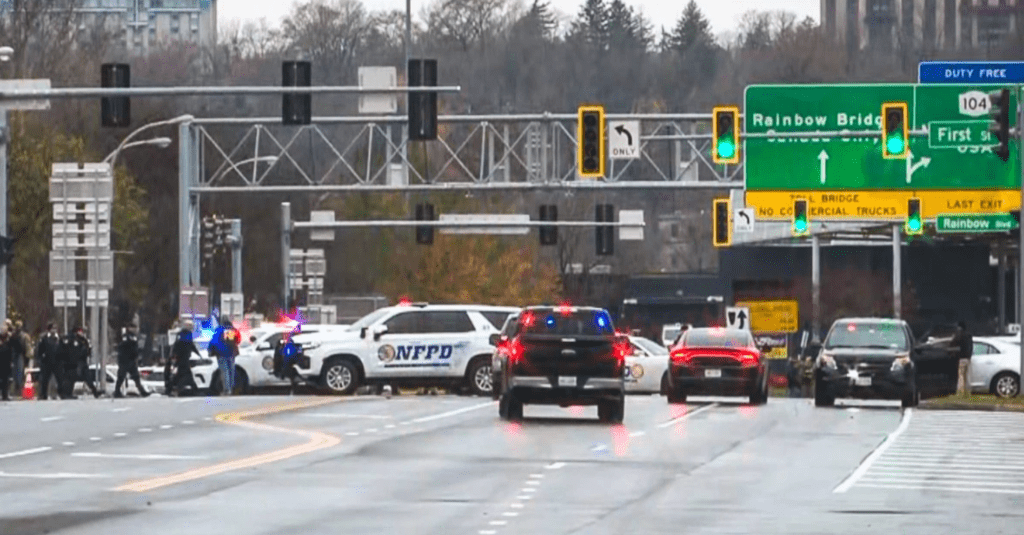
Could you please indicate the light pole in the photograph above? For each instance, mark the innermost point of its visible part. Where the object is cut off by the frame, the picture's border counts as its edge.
(6, 53)
(159, 142)
(269, 159)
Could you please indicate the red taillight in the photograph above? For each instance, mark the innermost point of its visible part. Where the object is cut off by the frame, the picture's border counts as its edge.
(528, 319)
(515, 350)
(681, 357)
(749, 358)
(623, 349)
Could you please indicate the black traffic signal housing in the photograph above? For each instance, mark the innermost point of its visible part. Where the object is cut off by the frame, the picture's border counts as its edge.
(424, 233)
(209, 237)
(422, 106)
(725, 148)
(721, 230)
(296, 108)
(915, 223)
(895, 131)
(590, 146)
(6, 250)
(999, 110)
(605, 234)
(801, 223)
(548, 233)
(115, 112)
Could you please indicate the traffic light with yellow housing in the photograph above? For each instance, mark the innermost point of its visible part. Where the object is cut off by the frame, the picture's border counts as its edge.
(801, 225)
(915, 224)
(590, 147)
(726, 145)
(720, 219)
(895, 131)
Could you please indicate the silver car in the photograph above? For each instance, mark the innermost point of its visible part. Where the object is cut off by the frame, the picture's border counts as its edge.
(995, 366)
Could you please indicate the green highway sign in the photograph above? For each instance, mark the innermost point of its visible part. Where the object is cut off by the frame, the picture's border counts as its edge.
(956, 223)
(956, 154)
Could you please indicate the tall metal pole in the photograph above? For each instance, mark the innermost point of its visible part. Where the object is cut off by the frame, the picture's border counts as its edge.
(1020, 246)
(815, 289)
(286, 241)
(1001, 288)
(897, 275)
(4, 135)
(236, 256)
(408, 36)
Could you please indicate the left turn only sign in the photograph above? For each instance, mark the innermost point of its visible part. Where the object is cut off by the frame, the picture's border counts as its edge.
(624, 140)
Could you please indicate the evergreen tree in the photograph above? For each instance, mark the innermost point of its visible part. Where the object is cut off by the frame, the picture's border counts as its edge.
(591, 24)
(692, 29)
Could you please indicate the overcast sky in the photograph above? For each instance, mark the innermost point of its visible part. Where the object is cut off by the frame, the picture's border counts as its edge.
(723, 14)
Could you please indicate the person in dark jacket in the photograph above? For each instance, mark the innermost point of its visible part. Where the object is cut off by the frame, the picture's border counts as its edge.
(78, 351)
(6, 364)
(286, 357)
(47, 354)
(128, 362)
(963, 343)
(181, 352)
(224, 346)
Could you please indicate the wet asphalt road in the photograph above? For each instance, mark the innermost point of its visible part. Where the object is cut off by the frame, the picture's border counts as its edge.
(447, 465)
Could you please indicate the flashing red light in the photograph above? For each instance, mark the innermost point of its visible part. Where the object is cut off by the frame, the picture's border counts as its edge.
(404, 302)
(515, 350)
(528, 319)
(623, 348)
(851, 327)
(565, 308)
(681, 357)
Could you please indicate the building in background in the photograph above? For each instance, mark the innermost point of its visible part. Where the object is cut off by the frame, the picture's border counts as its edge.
(889, 25)
(145, 25)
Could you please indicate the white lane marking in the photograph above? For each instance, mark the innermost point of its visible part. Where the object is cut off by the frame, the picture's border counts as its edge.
(371, 430)
(687, 415)
(935, 478)
(122, 409)
(534, 483)
(1000, 457)
(528, 489)
(404, 423)
(934, 487)
(141, 456)
(67, 443)
(945, 469)
(498, 522)
(866, 465)
(187, 422)
(207, 419)
(145, 430)
(119, 435)
(554, 466)
(340, 415)
(455, 412)
(95, 439)
(943, 464)
(25, 452)
(187, 400)
(389, 426)
(352, 433)
(537, 476)
(166, 426)
(516, 505)
(487, 532)
(58, 475)
(635, 434)
(51, 418)
(524, 497)
(510, 513)
(599, 447)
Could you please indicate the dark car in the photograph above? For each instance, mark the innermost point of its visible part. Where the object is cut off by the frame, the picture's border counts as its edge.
(499, 341)
(563, 356)
(867, 358)
(712, 361)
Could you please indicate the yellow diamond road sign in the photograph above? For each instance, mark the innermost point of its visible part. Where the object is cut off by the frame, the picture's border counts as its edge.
(772, 316)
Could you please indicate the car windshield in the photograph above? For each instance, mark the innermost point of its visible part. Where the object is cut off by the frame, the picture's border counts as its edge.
(867, 335)
(258, 334)
(581, 322)
(368, 319)
(650, 347)
(717, 338)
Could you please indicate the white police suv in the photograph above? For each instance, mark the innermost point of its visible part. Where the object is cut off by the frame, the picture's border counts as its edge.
(412, 345)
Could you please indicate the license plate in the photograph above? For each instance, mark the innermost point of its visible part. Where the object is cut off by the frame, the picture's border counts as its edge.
(863, 381)
(712, 373)
(566, 381)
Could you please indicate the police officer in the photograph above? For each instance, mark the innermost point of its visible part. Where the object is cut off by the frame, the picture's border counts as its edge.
(181, 352)
(224, 346)
(286, 356)
(77, 352)
(128, 361)
(47, 353)
(6, 364)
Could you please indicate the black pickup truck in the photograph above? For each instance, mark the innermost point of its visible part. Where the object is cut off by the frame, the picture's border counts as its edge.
(562, 356)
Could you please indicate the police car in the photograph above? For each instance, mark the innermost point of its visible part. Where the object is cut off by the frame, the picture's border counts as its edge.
(409, 345)
(256, 355)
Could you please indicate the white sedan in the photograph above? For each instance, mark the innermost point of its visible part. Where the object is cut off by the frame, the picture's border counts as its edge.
(995, 366)
(646, 366)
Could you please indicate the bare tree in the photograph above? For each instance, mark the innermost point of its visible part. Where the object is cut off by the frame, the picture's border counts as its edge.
(329, 32)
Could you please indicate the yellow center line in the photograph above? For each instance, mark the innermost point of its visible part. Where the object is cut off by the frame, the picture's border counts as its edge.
(316, 441)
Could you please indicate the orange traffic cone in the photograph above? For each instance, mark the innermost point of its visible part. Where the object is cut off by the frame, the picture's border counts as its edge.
(29, 392)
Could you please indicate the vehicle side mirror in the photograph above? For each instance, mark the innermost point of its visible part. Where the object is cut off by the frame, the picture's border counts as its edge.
(495, 339)
(765, 348)
(252, 338)
(263, 347)
(378, 331)
(362, 332)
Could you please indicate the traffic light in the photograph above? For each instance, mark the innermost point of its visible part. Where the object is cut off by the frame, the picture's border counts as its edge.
(721, 231)
(115, 112)
(422, 106)
(914, 224)
(726, 147)
(208, 237)
(999, 110)
(590, 147)
(6, 250)
(424, 234)
(548, 234)
(801, 225)
(296, 108)
(605, 234)
(895, 131)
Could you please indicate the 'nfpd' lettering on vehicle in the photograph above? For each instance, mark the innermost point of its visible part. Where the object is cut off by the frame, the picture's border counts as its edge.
(427, 354)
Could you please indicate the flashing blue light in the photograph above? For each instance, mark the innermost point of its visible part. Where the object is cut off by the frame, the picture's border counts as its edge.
(602, 321)
(289, 350)
(550, 321)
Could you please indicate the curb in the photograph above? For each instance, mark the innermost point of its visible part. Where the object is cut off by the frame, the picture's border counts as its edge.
(970, 407)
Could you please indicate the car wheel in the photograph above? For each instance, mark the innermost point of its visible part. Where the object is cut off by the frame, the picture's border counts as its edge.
(676, 397)
(822, 397)
(339, 377)
(215, 388)
(664, 384)
(1006, 385)
(479, 378)
(241, 382)
(612, 411)
(510, 408)
(910, 395)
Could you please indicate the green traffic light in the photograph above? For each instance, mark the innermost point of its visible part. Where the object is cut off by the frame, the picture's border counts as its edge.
(895, 145)
(726, 149)
(914, 225)
(800, 225)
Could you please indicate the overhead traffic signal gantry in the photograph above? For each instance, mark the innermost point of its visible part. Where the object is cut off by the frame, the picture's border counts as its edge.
(590, 147)
(999, 111)
(721, 232)
(422, 105)
(801, 225)
(895, 131)
(914, 224)
(726, 146)
(548, 233)
(296, 108)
